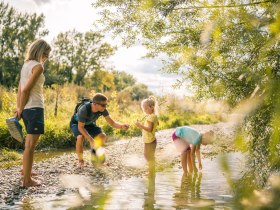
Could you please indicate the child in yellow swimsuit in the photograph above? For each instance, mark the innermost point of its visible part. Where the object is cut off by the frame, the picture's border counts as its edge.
(149, 107)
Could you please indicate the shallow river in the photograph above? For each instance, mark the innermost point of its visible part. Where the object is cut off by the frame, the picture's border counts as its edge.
(169, 189)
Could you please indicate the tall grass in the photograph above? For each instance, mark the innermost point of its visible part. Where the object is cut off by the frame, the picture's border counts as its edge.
(60, 102)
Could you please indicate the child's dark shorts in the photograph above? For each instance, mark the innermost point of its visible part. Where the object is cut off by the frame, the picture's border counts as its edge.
(33, 119)
(92, 129)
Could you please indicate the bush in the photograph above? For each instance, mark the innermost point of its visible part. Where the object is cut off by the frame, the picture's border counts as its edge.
(60, 102)
(9, 155)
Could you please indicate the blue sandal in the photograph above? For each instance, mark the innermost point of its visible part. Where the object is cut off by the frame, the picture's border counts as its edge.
(15, 128)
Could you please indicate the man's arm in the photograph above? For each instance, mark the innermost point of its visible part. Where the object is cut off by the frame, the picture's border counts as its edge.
(83, 131)
(115, 124)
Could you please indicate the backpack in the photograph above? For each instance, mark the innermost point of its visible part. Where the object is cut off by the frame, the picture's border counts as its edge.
(80, 103)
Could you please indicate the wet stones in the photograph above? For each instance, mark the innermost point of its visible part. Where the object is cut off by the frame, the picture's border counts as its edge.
(50, 170)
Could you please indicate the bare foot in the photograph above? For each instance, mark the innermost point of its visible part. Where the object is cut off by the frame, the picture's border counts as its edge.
(32, 173)
(81, 164)
(31, 183)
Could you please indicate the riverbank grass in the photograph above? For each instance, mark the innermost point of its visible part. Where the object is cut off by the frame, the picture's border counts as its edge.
(9, 155)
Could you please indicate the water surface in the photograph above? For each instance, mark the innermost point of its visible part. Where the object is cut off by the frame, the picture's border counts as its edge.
(169, 189)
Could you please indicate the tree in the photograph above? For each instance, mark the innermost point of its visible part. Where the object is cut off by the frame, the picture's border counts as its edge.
(123, 80)
(101, 81)
(226, 49)
(17, 31)
(83, 53)
(57, 73)
(137, 92)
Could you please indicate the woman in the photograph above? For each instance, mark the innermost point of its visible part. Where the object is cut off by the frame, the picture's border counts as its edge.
(30, 103)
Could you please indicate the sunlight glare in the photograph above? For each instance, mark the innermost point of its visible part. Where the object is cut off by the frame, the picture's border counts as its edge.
(243, 109)
(74, 181)
(134, 161)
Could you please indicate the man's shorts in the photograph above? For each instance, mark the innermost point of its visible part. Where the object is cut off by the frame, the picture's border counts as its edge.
(33, 119)
(92, 129)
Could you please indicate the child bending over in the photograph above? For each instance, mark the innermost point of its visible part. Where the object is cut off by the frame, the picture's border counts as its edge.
(187, 141)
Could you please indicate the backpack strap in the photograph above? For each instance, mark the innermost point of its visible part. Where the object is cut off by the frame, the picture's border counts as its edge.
(88, 107)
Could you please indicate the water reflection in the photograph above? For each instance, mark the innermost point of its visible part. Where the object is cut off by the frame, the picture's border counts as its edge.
(26, 204)
(149, 197)
(189, 194)
(168, 189)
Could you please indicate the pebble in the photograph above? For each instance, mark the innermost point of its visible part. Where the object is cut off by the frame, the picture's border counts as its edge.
(50, 170)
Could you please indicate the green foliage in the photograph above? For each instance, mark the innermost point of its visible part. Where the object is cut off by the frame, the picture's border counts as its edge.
(78, 53)
(226, 50)
(17, 30)
(7, 101)
(123, 80)
(9, 155)
(57, 135)
(60, 102)
(101, 80)
(138, 91)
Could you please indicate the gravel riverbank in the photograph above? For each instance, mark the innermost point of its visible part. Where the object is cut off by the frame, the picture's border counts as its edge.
(124, 159)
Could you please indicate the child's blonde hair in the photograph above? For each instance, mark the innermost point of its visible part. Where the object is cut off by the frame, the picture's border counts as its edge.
(151, 102)
(208, 137)
(37, 49)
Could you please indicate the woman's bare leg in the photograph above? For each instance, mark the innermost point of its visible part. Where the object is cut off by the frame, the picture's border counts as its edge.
(27, 162)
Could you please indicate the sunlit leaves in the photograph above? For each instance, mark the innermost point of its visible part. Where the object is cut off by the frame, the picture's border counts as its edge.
(240, 141)
(17, 31)
(275, 26)
(226, 50)
(83, 53)
(274, 144)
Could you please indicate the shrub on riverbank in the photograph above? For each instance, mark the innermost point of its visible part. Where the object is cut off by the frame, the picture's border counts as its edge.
(60, 102)
(9, 155)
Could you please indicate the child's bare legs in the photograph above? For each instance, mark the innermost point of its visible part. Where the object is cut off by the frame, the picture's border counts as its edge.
(27, 161)
(189, 161)
(80, 150)
(184, 162)
(193, 158)
(149, 154)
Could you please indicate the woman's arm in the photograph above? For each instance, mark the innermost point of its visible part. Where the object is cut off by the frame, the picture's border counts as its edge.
(24, 93)
(18, 114)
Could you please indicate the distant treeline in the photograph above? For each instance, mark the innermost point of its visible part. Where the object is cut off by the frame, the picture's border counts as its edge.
(60, 102)
(77, 58)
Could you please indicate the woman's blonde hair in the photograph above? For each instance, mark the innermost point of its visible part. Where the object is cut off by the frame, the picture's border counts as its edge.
(151, 102)
(37, 49)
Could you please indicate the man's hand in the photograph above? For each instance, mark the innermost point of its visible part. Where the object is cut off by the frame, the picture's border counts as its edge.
(125, 126)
